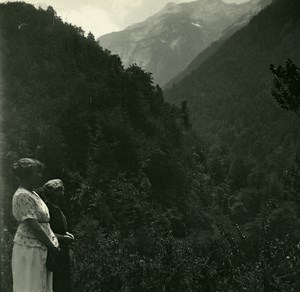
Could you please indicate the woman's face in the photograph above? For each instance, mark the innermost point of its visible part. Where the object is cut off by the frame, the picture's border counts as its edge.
(36, 177)
(57, 195)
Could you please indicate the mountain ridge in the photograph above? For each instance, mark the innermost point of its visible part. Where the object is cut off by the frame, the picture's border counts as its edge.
(168, 40)
(215, 46)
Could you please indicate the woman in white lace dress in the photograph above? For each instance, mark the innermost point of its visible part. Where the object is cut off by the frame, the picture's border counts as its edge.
(34, 236)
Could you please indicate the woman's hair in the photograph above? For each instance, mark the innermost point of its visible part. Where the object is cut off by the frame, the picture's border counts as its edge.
(51, 186)
(24, 167)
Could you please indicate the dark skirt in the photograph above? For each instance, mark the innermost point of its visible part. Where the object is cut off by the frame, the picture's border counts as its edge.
(62, 276)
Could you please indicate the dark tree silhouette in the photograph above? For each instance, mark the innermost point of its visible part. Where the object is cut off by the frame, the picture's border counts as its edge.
(286, 86)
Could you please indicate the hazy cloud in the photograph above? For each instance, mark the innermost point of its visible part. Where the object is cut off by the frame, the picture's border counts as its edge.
(104, 16)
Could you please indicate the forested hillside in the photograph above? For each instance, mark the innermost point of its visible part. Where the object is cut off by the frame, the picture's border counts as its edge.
(149, 203)
(229, 93)
(120, 149)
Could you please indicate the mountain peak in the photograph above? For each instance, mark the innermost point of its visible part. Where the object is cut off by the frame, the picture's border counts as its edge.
(168, 41)
(170, 4)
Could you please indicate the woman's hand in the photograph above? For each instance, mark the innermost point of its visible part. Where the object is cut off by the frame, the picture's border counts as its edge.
(70, 234)
(68, 237)
(39, 232)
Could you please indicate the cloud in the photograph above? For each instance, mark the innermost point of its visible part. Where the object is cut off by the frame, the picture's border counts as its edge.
(104, 16)
(95, 20)
(92, 15)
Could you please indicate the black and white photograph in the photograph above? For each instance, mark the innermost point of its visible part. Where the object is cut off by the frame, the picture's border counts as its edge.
(150, 146)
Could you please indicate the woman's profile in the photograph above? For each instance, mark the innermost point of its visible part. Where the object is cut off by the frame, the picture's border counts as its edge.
(53, 191)
(34, 236)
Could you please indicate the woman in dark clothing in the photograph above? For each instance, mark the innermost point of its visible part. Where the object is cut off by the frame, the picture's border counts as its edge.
(53, 192)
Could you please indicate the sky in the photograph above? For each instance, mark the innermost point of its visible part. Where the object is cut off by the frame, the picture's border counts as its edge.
(104, 16)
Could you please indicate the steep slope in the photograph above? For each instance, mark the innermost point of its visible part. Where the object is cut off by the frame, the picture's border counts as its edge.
(258, 5)
(214, 47)
(121, 151)
(166, 42)
(229, 93)
(73, 105)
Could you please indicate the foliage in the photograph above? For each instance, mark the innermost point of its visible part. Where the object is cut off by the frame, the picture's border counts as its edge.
(152, 207)
(287, 86)
(229, 98)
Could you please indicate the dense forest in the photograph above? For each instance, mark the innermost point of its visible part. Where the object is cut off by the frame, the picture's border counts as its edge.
(229, 91)
(152, 206)
(254, 142)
